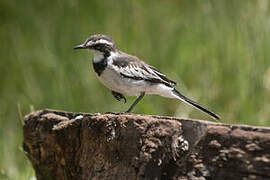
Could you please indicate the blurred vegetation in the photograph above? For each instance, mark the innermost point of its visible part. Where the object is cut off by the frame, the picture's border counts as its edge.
(217, 51)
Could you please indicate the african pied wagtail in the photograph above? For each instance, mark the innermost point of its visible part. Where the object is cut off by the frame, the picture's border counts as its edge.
(128, 75)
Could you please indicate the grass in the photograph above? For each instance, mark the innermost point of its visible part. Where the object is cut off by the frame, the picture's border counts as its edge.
(217, 51)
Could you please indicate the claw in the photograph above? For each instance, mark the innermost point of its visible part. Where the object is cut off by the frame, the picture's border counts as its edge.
(119, 96)
(125, 100)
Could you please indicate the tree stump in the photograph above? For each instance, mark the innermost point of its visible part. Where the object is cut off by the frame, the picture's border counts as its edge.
(67, 146)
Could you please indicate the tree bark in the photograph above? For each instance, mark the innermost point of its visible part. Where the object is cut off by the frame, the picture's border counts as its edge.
(63, 145)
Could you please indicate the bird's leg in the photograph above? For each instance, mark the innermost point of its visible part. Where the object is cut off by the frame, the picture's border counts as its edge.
(119, 96)
(135, 102)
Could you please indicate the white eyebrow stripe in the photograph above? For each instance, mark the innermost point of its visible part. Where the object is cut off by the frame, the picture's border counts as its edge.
(103, 41)
(89, 43)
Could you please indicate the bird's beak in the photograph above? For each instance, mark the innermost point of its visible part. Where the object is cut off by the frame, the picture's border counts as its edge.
(79, 47)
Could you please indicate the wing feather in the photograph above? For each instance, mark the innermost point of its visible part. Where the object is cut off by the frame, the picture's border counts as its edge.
(131, 67)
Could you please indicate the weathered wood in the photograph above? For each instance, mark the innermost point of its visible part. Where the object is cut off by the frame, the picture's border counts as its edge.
(62, 145)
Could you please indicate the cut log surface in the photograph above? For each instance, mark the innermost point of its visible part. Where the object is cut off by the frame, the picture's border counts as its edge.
(74, 146)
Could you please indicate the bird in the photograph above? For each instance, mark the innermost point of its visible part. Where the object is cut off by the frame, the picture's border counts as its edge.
(127, 75)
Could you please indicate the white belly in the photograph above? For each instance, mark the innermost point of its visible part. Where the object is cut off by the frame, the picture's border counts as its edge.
(126, 86)
(114, 81)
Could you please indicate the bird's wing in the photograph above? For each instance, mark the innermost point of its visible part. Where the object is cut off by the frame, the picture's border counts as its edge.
(131, 67)
(162, 76)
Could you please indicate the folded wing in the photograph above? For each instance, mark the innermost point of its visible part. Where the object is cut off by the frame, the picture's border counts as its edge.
(131, 67)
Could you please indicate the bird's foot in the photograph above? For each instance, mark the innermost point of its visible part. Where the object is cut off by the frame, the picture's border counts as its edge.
(119, 96)
(127, 112)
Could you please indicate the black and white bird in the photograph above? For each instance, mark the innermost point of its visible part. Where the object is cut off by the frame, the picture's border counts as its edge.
(125, 74)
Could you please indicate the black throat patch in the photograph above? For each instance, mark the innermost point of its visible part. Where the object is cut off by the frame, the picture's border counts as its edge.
(100, 66)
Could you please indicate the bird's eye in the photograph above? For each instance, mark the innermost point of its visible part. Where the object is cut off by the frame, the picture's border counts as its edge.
(90, 43)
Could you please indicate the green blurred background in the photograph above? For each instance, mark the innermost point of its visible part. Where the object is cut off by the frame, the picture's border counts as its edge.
(217, 51)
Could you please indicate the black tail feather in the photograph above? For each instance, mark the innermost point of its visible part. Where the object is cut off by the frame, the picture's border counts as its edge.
(189, 101)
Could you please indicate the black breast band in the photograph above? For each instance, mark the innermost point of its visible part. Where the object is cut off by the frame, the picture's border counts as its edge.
(100, 66)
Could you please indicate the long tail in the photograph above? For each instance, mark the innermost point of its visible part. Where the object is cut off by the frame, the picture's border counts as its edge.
(196, 105)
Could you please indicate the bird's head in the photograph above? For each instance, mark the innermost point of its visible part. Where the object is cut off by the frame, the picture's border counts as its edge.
(98, 43)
